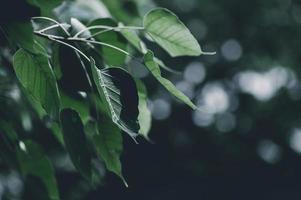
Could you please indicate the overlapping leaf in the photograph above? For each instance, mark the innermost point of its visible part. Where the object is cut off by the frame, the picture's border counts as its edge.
(107, 140)
(21, 35)
(155, 70)
(111, 56)
(75, 141)
(118, 90)
(145, 117)
(33, 162)
(37, 77)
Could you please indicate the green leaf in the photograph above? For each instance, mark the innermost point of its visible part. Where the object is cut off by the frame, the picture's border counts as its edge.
(133, 39)
(145, 117)
(170, 33)
(119, 9)
(118, 91)
(8, 139)
(34, 162)
(75, 141)
(7, 128)
(107, 140)
(46, 7)
(55, 61)
(155, 70)
(80, 106)
(139, 45)
(37, 77)
(111, 56)
(21, 34)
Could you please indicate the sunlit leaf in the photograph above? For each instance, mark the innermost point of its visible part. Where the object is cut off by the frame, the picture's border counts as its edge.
(145, 117)
(170, 33)
(133, 39)
(37, 77)
(140, 46)
(155, 70)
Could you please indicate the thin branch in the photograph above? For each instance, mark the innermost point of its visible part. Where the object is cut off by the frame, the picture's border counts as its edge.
(52, 27)
(117, 28)
(49, 35)
(98, 33)
(54, 21)
(100, 43)
(71, 46)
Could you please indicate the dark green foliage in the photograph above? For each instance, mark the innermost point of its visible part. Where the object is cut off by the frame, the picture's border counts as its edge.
(74, 81)
(76, 142)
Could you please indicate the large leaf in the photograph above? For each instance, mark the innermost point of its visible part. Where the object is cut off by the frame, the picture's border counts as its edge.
(155, 70)
(118, 91)
(170, 33)
(33, 162)
(37, 77)
(111, 56)
(75, 141)
(145, 117)
(107, 140)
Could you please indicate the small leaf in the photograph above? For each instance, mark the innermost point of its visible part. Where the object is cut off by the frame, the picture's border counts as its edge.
(75, 141)
(118, 90)
(145, 117)
(37, 77)
(34, 162)
(107, 140)
(170, 33)
(155, 70)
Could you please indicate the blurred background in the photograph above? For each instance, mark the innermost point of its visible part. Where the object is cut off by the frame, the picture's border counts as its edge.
(248, 145)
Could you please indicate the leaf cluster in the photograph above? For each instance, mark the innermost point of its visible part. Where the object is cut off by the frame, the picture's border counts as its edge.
(75, 80)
